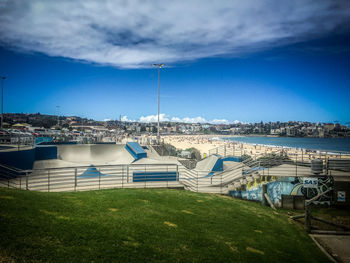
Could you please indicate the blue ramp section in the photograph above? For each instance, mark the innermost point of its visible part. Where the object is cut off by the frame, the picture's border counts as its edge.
(91, 172)
(154, 176)
(135, 150)
(218, 167)
(232, 159)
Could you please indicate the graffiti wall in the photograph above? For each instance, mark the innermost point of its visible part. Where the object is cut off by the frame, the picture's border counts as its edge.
(278, 186)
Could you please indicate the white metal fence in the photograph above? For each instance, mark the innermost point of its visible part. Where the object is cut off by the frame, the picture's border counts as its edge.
(249, 170)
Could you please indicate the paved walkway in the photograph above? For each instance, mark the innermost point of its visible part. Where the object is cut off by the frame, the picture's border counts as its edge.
(337, 246)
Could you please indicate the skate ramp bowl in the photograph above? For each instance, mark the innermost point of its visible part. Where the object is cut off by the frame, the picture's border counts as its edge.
(212, 163)
(94, 153)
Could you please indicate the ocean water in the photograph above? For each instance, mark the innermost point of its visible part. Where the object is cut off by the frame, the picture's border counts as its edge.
(325, 144)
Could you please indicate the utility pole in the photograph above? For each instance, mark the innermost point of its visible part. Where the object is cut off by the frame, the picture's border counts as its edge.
(58, 116)
(2, 99)
(159, 66)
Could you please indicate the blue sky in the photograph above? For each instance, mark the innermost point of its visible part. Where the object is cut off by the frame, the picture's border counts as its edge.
(289, 64)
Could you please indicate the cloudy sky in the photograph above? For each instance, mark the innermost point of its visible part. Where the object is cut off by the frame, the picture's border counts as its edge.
(225, 60)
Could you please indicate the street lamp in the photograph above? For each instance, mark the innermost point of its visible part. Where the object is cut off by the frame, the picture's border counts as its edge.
(2, 99)
(159, 66)
(58, 116)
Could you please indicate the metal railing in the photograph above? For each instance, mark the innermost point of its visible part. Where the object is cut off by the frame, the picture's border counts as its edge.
(252, 170)
(91, 177)
(303, 155)
(17, 139)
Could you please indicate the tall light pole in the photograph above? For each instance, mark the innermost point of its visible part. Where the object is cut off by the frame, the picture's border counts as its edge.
(159, 66)
(2, 99)
(58, 116)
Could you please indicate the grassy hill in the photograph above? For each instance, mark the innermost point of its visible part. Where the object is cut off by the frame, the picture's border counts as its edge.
(145, 225)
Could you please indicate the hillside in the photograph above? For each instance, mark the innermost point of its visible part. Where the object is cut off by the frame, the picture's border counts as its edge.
(130, 225)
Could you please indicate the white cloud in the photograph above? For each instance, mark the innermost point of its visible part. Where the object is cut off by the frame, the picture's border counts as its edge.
(218, 121)
(154, 118)
(126, 119)
(137, 33)
(163, 117)
(189, 120)
(107, 119)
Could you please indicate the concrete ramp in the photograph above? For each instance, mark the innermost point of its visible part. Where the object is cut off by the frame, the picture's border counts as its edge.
(135, 150)
(213, 163)
(94, 153)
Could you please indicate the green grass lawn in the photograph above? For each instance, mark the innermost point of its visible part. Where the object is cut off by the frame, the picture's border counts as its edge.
(146, 225)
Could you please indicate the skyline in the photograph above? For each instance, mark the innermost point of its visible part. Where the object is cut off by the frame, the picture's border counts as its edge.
(152, 119)
(299, 71)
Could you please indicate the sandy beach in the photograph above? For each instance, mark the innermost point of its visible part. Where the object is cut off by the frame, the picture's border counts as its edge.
(211, 144)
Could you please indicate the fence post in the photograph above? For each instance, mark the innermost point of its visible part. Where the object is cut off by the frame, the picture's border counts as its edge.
(177, 172)
(221, 184)
(167, 176)
(296, 165)
(127, 173)
(20, 182)
(99, 178)
(75, 179)
(145, 176)
(122, 176)
(307, 218)
(197, 182)
(264, 191)
(48, 180)
(302, 156)
(263, 171)
(18, 142)
(27, 188)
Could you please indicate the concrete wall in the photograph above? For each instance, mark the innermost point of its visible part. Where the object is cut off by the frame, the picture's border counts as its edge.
(22, 159)
(45, 152)
(277, 187)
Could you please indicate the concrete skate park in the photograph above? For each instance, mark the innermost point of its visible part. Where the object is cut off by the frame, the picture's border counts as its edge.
(70, 167)
(77, 167)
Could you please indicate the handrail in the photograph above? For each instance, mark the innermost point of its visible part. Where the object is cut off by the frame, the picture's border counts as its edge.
(100, 166)
(11, 168)
(280, 148)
